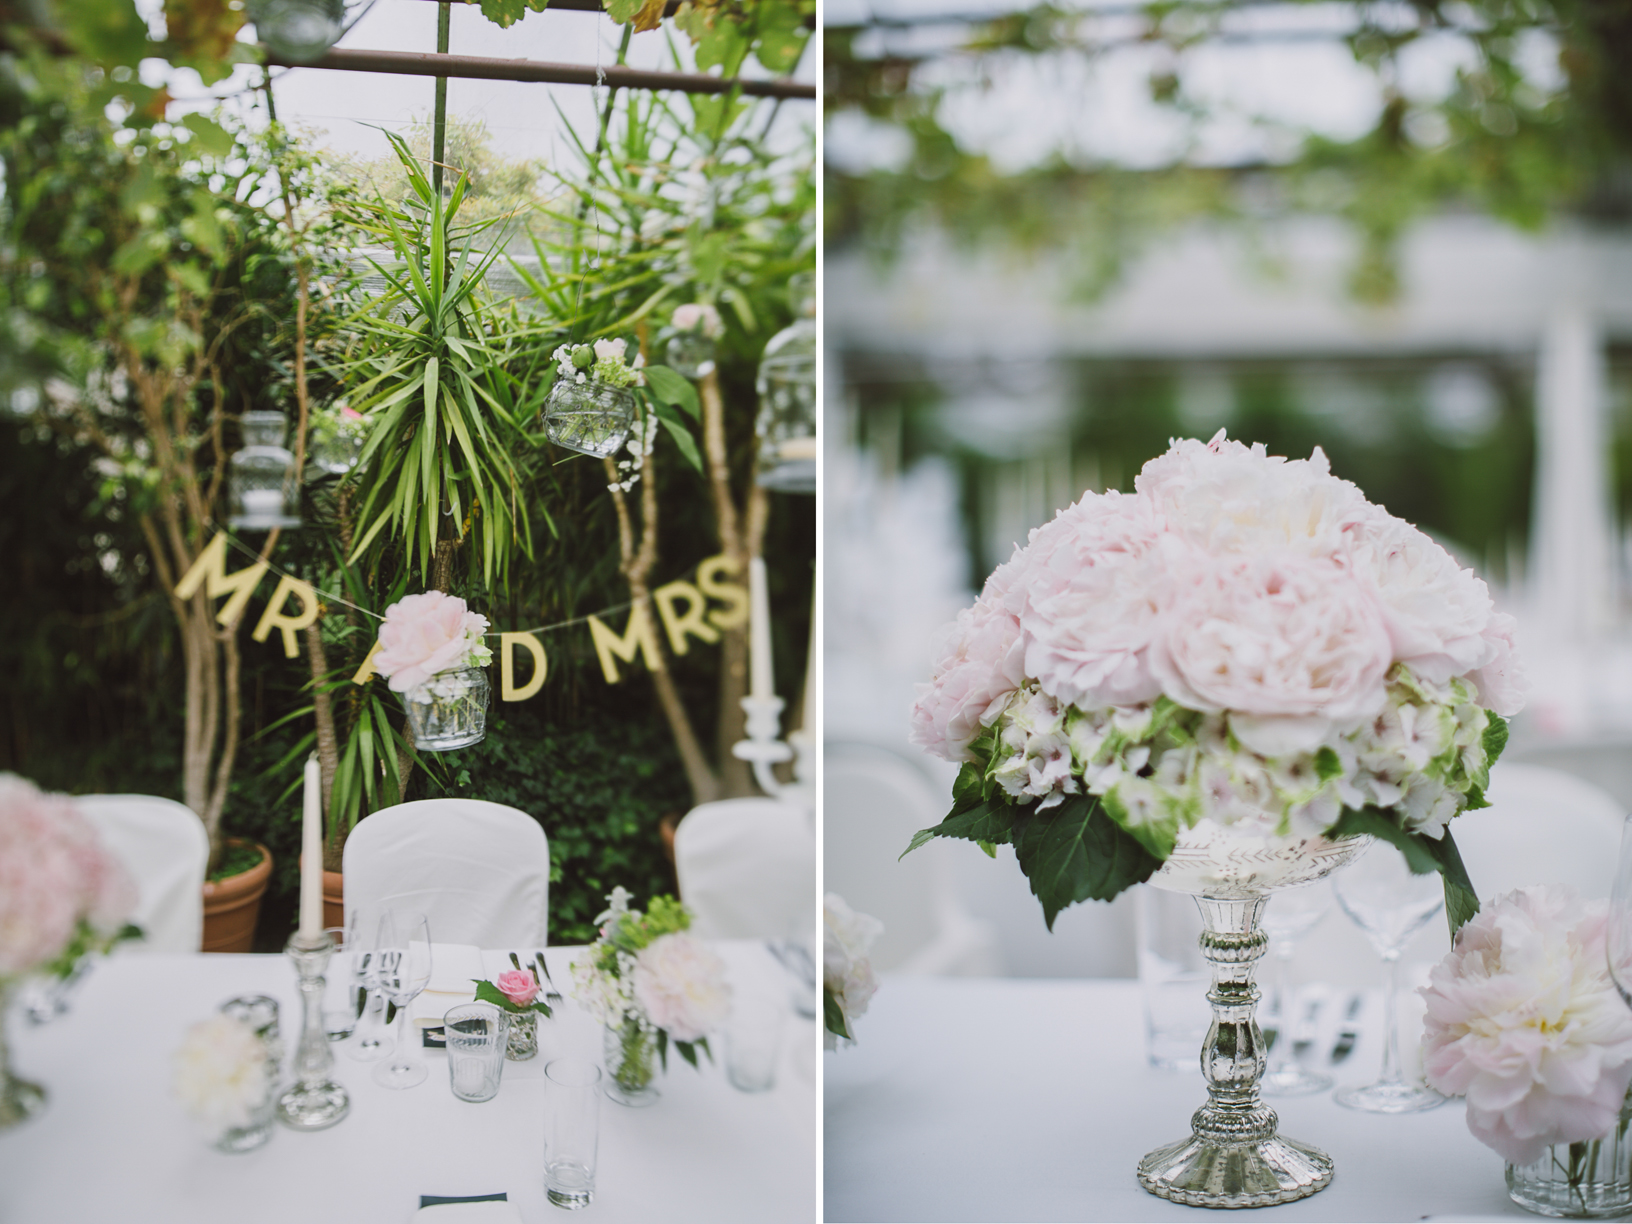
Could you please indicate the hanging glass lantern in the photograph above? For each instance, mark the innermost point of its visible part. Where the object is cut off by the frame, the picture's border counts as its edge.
(302, 31)
(261, 485)
(337, 440)
(690, 350)
(590, 417)
(787, 398)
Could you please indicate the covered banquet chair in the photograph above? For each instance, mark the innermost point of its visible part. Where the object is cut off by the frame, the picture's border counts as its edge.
(747, 869)
(479, 871)
(163, 845)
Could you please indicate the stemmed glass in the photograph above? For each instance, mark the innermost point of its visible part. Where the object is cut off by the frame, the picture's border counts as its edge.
(1390, 904)
(399, 969)
(369, 1040)
(1618, 935)
(1289, 915)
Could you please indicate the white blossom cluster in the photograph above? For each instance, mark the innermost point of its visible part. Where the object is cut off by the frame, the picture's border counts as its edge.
(641, 440)
(1158, 764)
(609, 366)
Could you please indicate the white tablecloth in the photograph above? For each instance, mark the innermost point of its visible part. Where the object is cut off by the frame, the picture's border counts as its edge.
(994, 1100)
(114, 1146)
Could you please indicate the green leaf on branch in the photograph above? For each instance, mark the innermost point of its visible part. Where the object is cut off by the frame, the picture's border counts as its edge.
(1379, 824)
(505, 13)
(212, 139)
(833, 1015)
(991, 850)
(1495, 737)
(681, 435)
(986, 821)
(1461, 901)
(671, 388)
(1076, 852)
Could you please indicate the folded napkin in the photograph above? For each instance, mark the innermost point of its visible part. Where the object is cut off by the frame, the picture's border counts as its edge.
(455, 969)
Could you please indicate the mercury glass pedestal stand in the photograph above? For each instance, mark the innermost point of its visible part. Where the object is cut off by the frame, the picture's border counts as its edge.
(314, 1101)
(1235, 1156)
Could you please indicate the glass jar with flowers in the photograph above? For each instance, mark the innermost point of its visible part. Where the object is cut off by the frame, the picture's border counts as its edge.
(431, 648)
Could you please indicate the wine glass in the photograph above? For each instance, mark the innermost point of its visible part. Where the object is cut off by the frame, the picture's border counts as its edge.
(1618, 934)
(1390, 904)
(1289, 915)
(370, 1039)
(399, 969)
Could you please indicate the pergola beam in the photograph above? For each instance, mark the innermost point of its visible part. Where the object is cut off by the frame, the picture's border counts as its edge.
(412, 63)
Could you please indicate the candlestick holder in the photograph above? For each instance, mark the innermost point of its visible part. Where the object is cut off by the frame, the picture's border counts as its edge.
(763, 748)
(314, 1101)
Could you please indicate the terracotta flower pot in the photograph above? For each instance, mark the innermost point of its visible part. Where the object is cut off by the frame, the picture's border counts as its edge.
(334, 899)
(232, 906)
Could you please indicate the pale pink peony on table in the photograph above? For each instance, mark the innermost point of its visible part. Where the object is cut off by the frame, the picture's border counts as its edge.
(426, 634)
(53, 873)
(1525, 1022)
(679, 982)
(848, 937)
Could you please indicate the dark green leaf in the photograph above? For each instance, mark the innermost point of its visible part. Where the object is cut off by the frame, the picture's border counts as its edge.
(1382, 826)
(687, 1052)
(1076, 852)
(1461, 901)
(979, 822)
(1495, 736)
(671, 388)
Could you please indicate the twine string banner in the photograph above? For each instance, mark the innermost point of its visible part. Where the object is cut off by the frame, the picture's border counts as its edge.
(685, 610)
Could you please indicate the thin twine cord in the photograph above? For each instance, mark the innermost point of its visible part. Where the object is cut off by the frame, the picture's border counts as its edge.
(233, 542)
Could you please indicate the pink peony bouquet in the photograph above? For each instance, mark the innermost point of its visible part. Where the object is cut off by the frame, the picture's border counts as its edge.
(1244, 639)
(649, 975)
(61, 894)
(426, 635)
(848, 983)
(1524, 1021)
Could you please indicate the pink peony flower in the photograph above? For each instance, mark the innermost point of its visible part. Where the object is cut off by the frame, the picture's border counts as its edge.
(1525, 1022)
(518, 985)
(687, 318)
(53, 872)
(1436, 611)
(426, 634)
(1290, 645)
(1087, 605)
(847, 973)
(1501, 682)
(979, 662)
(679, 982)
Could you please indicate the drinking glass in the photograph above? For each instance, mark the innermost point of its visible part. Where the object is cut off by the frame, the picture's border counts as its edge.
(342, 1004)
(753, 1040)
(477, 1035)
(1289, 915)
(1390, 904)
(399, 969)
(1618, 935)
(371, 1040)
(572, 1119)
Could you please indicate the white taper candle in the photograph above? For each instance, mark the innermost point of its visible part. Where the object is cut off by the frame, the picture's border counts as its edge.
(760, 679)
(311, 853)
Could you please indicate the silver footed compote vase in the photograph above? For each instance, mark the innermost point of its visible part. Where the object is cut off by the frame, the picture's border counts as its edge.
(1235, 1155)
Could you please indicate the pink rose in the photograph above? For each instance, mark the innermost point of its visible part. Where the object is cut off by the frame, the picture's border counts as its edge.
(1525, 1022)
(1289, 645)
(426, 634)
(519, 986)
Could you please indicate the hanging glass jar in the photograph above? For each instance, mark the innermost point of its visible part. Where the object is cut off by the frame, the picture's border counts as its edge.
(590, 417)
(787, 398)
(449, 710)
(261, 485)
(303, 30)
(337, 439)
(690, 349)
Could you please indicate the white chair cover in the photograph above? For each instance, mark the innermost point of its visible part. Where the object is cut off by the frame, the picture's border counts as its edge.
(873, 802)
(479, 871)
(747, 869)
(164, 847)
(1543, 826)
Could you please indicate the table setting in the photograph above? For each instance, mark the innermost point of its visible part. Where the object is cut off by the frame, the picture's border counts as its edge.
(372, 1073)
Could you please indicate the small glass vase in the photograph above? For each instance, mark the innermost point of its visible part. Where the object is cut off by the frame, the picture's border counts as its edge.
(631, 1063)
(523, 1040)
(588, 417)
(449, 710)
(1590, 1180)
(20, 1099)
(690, 354)
(260, 1012)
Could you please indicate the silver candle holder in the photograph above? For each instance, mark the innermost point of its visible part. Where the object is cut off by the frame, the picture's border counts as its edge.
(314, 1101)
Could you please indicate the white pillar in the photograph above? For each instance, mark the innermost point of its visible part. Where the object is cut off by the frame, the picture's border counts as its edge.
(1572, 554)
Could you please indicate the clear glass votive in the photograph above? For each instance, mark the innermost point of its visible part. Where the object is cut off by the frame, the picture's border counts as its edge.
(476, 1036)
(753, 1041)
(572, 1120)
(343, 990)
